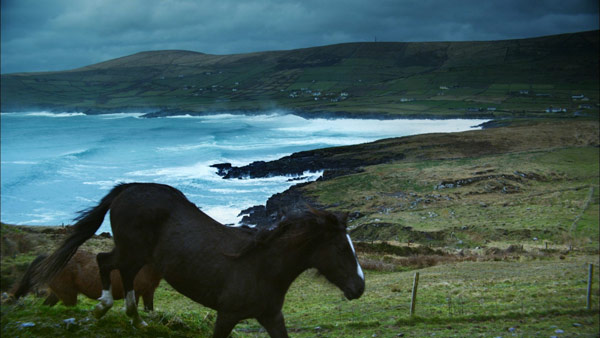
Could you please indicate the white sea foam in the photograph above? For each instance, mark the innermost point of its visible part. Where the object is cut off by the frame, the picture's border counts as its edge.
(224, 116)
(64, 165)
(104, 185)
(20, 162)
(185, 116)
(44, 216)
(377, 127)
(224, 214)
(116, 116)
(194, 171)
(230, 191)
(49, 114)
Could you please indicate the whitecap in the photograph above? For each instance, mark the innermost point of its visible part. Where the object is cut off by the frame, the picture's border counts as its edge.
(115, 116)
(223, 214)
(196, 170)
(49, 114)
(378, 128)
(20, 162)
(104, 185)
(45, 216)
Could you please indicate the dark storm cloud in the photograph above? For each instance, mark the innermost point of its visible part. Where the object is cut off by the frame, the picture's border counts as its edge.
(56, 35)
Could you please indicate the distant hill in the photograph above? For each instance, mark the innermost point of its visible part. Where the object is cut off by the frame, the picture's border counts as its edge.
(445, 79)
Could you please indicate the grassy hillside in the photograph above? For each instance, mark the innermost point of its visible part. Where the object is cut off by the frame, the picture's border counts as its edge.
(487, 78)
(523, 185)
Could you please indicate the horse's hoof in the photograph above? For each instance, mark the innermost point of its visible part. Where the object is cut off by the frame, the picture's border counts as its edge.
(100, 310)
(139, 324)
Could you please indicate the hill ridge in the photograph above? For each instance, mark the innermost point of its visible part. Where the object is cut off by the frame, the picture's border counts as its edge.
(389, 78)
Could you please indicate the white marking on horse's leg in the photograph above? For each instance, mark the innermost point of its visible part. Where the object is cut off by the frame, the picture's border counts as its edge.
(107, 297)
(130, 302)
(131, 310)
(358, 268)
(106, 302)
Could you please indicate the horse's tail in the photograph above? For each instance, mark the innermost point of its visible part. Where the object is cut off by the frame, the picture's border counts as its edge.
(87, 224)
(24, 286)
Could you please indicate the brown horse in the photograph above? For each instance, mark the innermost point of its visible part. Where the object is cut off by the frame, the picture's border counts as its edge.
(240, 273)
(81, 275)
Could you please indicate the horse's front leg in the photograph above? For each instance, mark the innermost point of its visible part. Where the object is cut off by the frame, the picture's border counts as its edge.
(224, 325)
(131, 310)
(274, 324)
(106, 302)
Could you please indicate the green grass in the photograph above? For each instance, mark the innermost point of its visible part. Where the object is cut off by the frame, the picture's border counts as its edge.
(535, 297)
(557, 203)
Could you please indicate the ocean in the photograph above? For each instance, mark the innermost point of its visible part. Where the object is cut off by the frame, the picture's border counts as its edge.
(55, 164)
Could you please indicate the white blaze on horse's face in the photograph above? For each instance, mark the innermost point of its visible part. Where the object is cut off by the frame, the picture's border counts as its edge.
(358, 268)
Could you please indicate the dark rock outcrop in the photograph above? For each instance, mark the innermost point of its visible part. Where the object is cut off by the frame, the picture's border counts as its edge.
(334, 161)
(290, 201)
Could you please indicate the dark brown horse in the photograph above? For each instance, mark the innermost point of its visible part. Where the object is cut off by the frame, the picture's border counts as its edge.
(81, 275)
(240, 273)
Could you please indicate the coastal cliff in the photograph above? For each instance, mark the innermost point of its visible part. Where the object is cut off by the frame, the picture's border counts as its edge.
(511, 137)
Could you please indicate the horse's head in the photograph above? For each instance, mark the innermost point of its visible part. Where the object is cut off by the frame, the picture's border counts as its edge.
(335, 258)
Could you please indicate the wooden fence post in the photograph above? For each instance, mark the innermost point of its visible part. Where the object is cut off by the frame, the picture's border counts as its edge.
(589, 286)
(413, 301)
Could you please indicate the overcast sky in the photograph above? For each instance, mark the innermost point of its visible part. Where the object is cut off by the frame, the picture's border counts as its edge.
(39, 35)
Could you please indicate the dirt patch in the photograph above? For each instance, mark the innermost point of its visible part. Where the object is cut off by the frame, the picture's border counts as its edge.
(386, 248)
(384, 231)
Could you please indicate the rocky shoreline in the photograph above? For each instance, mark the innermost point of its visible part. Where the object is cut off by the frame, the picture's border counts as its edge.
(496, 137)
(334, 162)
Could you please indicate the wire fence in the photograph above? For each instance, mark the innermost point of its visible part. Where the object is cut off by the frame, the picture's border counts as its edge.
(475, 296)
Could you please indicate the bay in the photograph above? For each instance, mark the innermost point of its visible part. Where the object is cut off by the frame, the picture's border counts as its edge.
(55, 164)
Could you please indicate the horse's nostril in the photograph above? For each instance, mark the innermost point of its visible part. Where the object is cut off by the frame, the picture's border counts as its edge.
(354, 292)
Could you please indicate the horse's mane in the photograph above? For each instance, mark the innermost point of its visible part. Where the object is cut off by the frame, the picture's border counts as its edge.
(264, 237)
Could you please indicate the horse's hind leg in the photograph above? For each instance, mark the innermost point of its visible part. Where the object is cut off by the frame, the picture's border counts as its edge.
(128, 273)
(148, 298)
(51, 300)
(106, 263)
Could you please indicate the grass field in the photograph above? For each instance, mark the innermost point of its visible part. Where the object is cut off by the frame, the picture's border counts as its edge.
(512, 296)
(527, 198)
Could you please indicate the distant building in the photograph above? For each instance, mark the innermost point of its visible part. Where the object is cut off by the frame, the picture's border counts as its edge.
(556, 110)
(580, 114)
